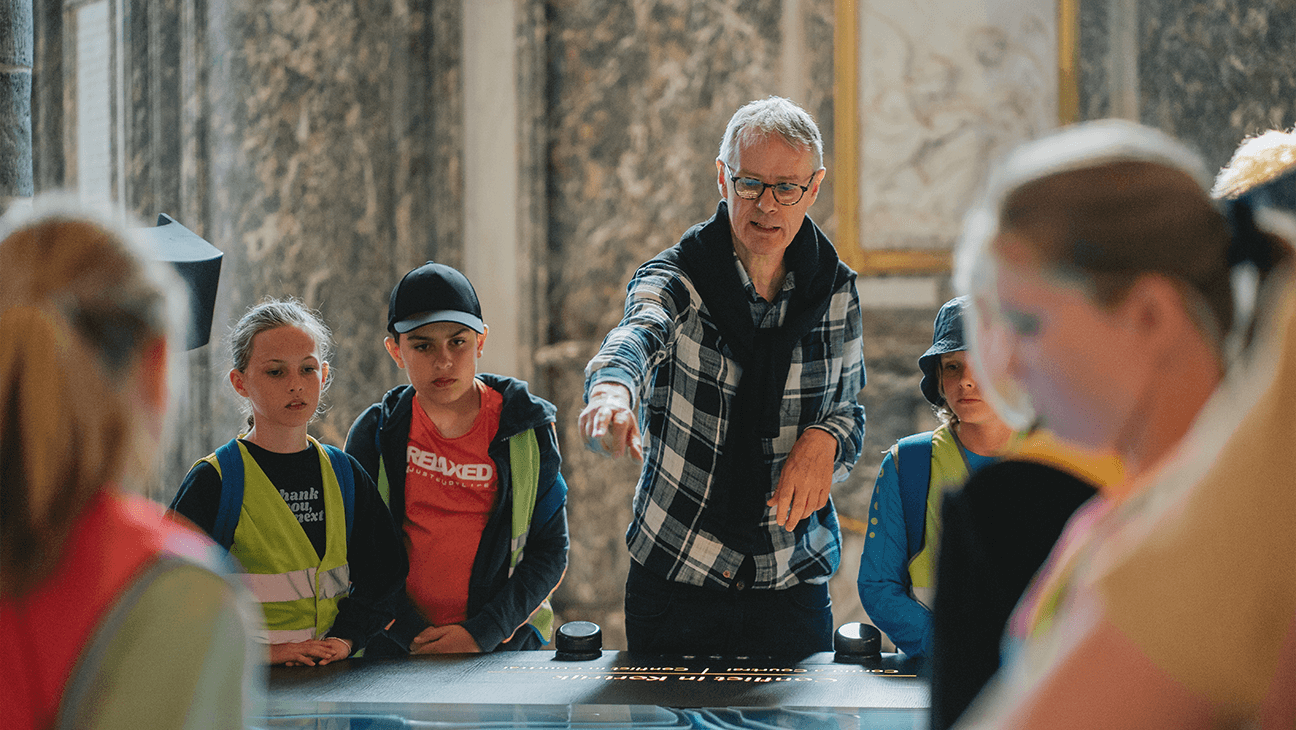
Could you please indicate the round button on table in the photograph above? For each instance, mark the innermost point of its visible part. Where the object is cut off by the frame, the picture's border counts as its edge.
(855, 642)
(579, 641)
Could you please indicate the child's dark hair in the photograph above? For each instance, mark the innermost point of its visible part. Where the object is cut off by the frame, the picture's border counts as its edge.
(271, 314)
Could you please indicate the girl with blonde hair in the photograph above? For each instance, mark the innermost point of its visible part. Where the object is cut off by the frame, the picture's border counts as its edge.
(313, 538)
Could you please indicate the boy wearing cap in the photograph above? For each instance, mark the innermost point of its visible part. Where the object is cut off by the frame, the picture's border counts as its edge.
(469, 464)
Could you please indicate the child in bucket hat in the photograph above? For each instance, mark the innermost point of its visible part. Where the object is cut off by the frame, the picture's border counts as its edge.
(947, 337)
(897, 571)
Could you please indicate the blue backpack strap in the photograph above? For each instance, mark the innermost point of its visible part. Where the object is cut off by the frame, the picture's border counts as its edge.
(346, 480)
(913, 468)
(230, 459)
(553, 501)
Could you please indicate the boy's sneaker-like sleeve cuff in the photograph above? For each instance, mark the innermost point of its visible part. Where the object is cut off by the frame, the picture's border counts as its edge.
(405, 629)
(484, 632)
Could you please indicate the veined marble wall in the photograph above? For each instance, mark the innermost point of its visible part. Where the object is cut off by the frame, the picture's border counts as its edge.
(302, 187)
(946, 86)
(317, 143)
(1210, 73)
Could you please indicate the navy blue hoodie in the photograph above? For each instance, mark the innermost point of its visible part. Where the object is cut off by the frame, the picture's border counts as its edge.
(498, 605)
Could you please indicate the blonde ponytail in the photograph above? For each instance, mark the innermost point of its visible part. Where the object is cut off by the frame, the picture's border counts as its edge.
(78, 305)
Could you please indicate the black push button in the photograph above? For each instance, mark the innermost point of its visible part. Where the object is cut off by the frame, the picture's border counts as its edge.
(856, 642)
(579, 641)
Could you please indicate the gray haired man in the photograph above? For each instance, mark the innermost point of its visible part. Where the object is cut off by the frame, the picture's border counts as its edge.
(740, 354)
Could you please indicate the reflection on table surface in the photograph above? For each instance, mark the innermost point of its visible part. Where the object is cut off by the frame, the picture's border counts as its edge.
(612, 690)
(329, 716)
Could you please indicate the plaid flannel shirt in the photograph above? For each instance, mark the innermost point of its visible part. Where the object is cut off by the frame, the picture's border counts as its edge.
(668, 353)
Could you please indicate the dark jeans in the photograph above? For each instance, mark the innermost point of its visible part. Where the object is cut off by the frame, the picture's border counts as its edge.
(665, 617)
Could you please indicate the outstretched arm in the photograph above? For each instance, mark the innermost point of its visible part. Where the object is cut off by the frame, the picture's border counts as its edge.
(655, 297)
(608, 422)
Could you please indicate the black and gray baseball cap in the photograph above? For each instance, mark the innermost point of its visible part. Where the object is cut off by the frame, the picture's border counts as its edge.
(433, 293)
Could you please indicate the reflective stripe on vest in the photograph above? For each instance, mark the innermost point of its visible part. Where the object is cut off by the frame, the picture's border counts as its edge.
(948, 472)
(524, 467)
(285, 636)
(298, 584)
(298, 590)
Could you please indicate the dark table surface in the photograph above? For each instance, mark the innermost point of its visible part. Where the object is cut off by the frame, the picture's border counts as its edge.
(617, 689)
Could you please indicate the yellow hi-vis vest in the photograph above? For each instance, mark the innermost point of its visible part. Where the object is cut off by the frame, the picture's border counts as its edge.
(524, 465)
(948, 472)
(298, 590)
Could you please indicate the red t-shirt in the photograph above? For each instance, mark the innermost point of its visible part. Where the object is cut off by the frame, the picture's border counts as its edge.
(450, 490)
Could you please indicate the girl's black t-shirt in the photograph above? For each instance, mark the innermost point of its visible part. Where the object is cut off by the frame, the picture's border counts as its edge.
(297, 476)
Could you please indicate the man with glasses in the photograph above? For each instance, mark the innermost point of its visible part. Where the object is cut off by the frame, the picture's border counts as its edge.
(741, 352)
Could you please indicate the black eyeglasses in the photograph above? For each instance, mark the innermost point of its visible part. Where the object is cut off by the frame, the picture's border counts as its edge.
(785, 193)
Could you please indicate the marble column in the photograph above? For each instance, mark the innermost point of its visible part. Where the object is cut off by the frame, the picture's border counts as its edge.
(158, 146)
(15, 100)
(47, 96)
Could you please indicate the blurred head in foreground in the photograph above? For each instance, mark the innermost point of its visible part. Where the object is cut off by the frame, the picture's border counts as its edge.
(1099, 250)
(1099, 270)
(84, 325)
